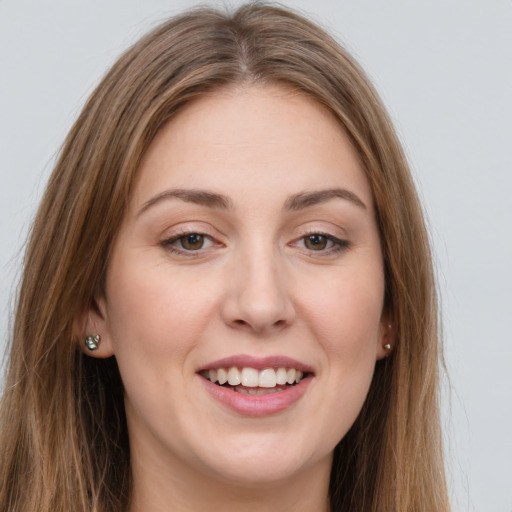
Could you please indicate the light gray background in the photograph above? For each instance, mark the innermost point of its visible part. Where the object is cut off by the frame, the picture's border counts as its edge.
(444, 69)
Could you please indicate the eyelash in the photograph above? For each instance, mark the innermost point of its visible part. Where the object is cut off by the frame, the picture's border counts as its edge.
(168, 244)
(338, 246)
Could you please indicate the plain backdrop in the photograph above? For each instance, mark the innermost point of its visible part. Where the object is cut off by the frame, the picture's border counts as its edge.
(444, 70)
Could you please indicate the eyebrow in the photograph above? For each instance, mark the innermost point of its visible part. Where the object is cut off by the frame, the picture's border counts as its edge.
(308, 199)
(296, 202)
(202, 197)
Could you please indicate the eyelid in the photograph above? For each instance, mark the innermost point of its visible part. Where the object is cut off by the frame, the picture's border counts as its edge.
(339, 244)
(168, 241)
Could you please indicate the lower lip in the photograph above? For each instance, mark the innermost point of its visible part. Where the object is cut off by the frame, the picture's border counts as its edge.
(257, 405)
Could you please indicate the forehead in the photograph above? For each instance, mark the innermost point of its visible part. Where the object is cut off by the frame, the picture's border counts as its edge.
(266, 140)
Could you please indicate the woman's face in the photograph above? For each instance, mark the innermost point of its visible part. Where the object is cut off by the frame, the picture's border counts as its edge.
(250, 251)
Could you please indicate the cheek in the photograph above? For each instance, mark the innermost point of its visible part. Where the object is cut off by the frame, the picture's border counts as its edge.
(345, 312)
(344, 316)
(155, 315)
(156, 318)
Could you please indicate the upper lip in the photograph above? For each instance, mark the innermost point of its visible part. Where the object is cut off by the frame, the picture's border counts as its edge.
(258, 363)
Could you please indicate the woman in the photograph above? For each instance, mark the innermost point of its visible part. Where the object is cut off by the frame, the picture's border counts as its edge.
(228, 299)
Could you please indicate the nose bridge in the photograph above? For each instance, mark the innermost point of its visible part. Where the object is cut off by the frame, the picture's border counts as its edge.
(258, 297)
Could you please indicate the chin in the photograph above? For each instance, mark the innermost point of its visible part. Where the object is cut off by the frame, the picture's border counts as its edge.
(257, 463)
(245, 473)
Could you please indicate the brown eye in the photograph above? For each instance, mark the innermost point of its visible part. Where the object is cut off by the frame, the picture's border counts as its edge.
(188, 244)
(316, 242)
(192, 242)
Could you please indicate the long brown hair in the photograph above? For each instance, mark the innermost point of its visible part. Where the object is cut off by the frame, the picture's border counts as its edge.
(63, 438)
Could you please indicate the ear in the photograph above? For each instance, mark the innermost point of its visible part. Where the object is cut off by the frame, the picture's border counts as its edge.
(92, 321)
(387, 337)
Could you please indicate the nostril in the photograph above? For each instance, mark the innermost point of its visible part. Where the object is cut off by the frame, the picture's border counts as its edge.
(242, 324)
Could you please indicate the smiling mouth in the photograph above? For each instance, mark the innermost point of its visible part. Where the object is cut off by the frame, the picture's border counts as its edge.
(250, 381)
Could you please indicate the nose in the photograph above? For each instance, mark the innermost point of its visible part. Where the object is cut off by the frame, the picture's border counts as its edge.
(258, 295)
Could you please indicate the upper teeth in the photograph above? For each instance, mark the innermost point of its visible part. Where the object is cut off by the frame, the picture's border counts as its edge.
(252, 378)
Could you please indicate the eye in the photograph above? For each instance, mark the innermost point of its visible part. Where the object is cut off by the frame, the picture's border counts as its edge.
(322, 243)
(192, 242)
(187, 242)
(316, 242)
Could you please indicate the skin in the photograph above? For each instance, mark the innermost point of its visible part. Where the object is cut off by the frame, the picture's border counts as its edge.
(254, 288)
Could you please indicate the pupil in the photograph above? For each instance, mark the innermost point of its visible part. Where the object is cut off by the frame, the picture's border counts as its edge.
(193, 241)
(316, 242)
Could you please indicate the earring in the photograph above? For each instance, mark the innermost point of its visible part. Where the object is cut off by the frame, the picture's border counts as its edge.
(92, 342)
(387, 346)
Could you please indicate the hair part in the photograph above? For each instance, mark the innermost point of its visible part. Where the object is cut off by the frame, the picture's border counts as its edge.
(67, 447)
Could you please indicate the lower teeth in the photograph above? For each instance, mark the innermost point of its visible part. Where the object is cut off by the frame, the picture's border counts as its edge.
(255, 391)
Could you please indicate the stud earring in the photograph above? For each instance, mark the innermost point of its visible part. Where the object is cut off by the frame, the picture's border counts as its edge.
(92, 342)
(387, 346)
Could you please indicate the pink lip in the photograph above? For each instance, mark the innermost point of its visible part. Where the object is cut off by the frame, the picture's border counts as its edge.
(257, 405)
(258, 363)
